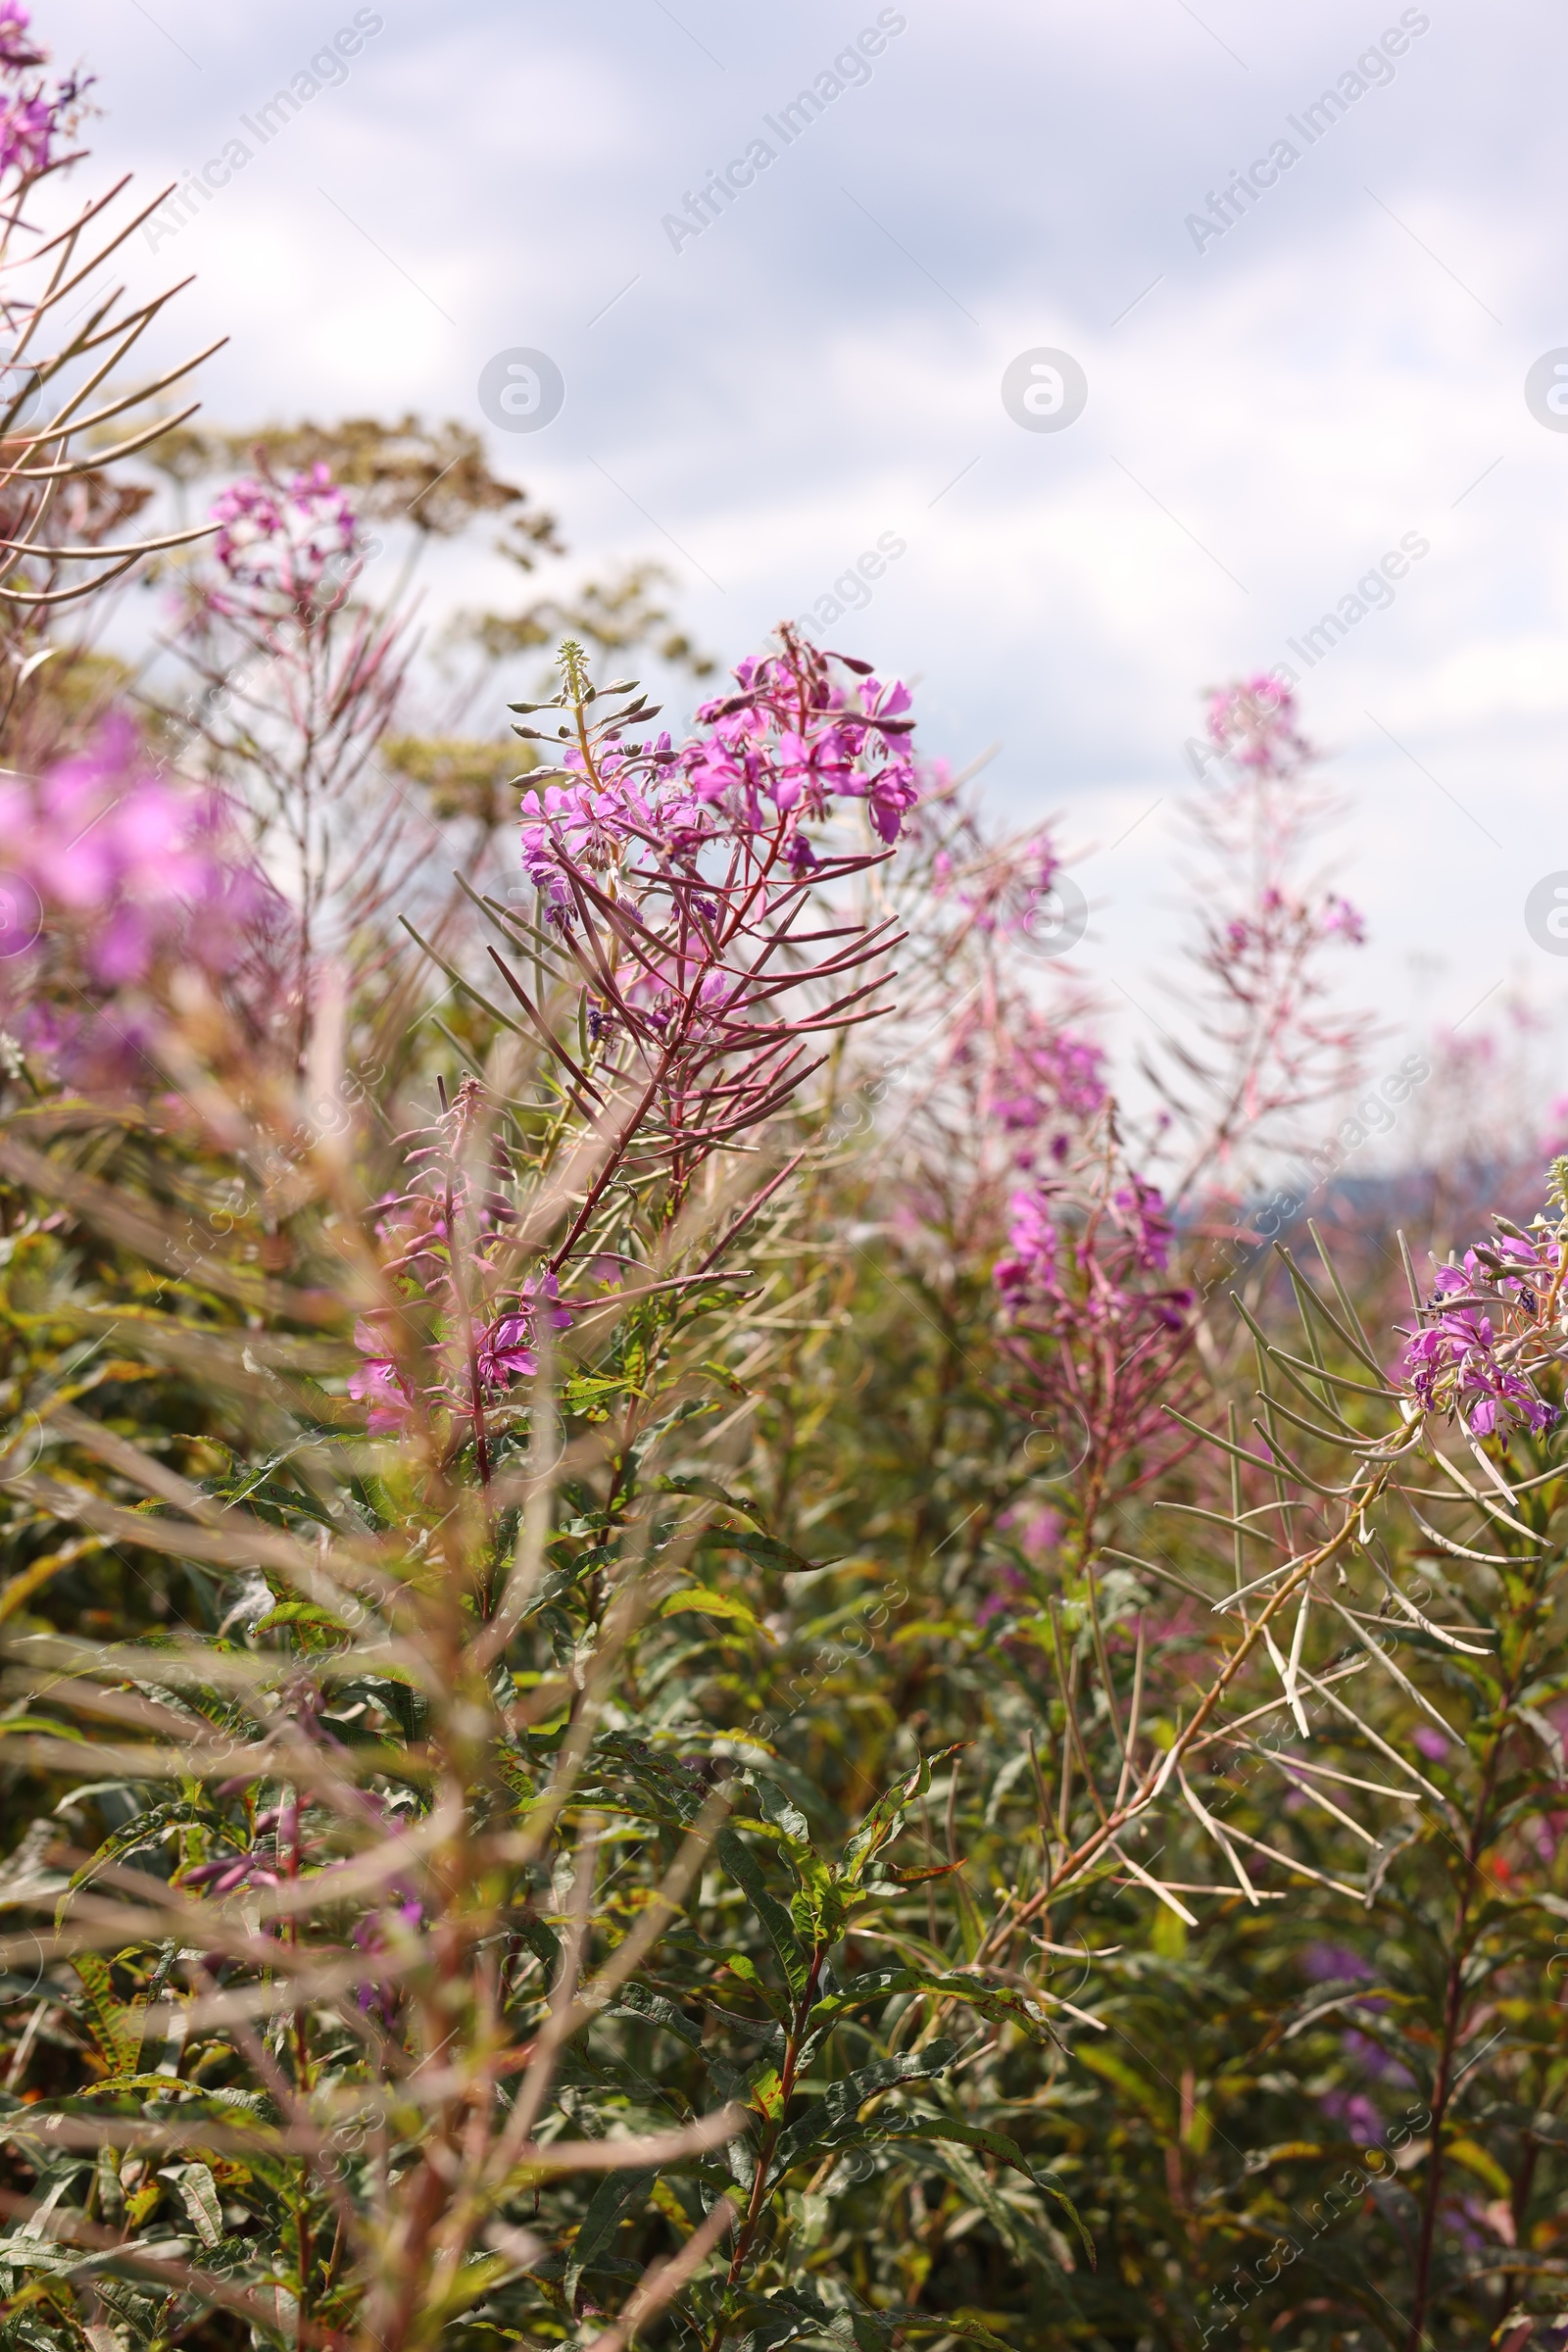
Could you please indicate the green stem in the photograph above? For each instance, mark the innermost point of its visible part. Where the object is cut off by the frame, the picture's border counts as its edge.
(794, 2043)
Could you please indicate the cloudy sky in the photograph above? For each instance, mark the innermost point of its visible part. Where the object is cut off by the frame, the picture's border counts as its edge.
(1270, 411)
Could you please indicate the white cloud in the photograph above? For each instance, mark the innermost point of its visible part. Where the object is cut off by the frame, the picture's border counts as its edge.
(1320, 381)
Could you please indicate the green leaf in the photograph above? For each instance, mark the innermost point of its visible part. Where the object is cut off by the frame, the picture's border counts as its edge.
(115, 2025)
(967, 2331)
(307, 1615)
(764, 2090)
(782, 1811)
(617, 2195)
(996, 2002)
(741, 1966)
(143, 1828)
(968, 2136)
(819, 1908)
(541, 1941)
(635, 2000)
(250, 2104)
(835, 2117)
(767, 1550)
(882, 1824)
(703, 1602)
(776, 1925)
(1019, 2234)
(198, 2193)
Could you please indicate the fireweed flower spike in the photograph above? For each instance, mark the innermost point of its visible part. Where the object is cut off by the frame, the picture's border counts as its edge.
(1490, 1324)
(444, 1246)
(678, 883)
(689, 896)
(35, 120)
(134, 875)
(1254, 723)
(1095, 1333)
(299, 679)
(1263, 1043)
(276, 542)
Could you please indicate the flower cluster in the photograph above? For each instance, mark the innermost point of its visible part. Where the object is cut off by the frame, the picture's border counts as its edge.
(276, 541)
(1254, 723)
(146, 871)
(1043, 1084)
(261, 1863)
(1460, 1362)
(34, 118)
(1099, 1282)
(1007, 891)
(495, 1336)
(1092, 1321)
(795, 739)
(1028, 1273)
(1285, 926)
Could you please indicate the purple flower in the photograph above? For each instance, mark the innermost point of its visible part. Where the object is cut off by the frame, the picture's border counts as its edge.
(1359, 2118)
(1335, 1963)
(1000, 1602)
(1142, 1215)
(17, 47)
(142, 871)
(26, 134)
(378, 1384)
(1451, 1365)
(773, 758)
(1029, 1271)
(276, 542)
(506, 1349)
(1044, 1084)
(1254, 724)
(504, 1354)
(1037, 1533)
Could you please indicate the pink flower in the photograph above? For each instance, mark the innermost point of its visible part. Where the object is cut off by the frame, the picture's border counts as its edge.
(1030, 1269)
(26, 134)
(1452, 1363)
(145, 869)
(1044, 1084)
(378, 1384)
(780, 754)
(276, 542)
(506, 1348)
(1035, 1533)
(504, 1354)
(1254, 723)
(1142, 1215)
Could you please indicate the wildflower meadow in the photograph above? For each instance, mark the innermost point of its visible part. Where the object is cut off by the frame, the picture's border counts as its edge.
(711, 1638)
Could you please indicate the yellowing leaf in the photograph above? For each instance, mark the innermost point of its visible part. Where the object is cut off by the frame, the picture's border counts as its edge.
(766, 2091)
(705, 1602)
(1486, 2167)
